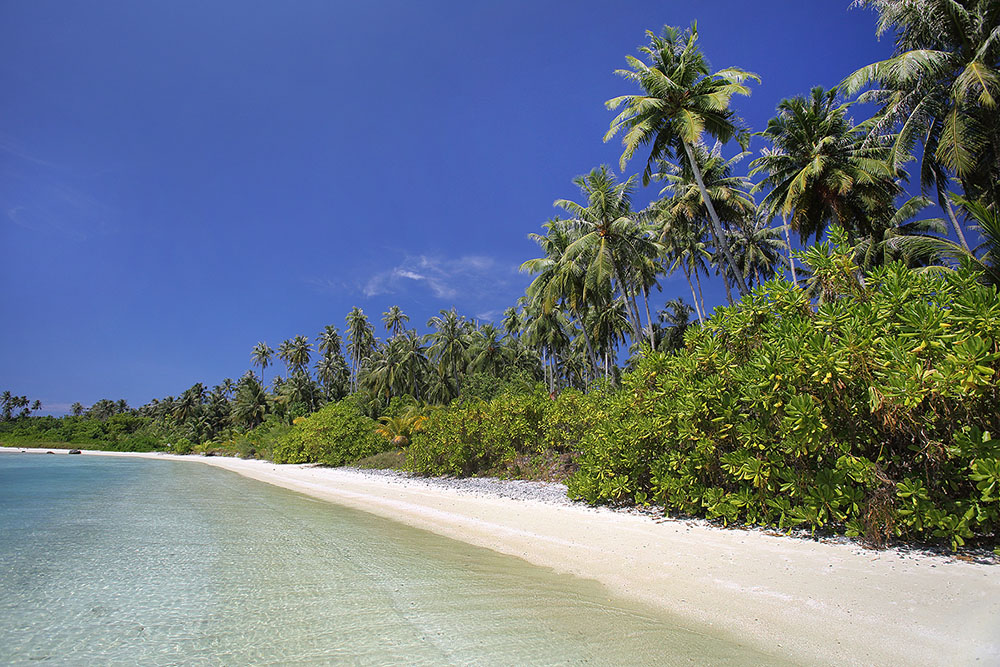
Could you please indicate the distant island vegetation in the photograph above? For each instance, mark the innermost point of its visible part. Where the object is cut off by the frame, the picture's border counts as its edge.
(849, 387)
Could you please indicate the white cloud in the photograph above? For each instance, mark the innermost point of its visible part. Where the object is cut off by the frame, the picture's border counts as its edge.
(445, 278)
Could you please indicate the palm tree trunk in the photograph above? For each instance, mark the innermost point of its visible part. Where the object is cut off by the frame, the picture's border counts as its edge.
(590, 349)
(725, 281)
(945, 203)
(694, 297)
(649, 319)
(788, 245)
(716, 223)
(633, 316)
(701, 295)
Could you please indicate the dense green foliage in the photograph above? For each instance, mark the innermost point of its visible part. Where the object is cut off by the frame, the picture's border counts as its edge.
(872, 411)
(336, 434)
(512, 434)
(121, 432)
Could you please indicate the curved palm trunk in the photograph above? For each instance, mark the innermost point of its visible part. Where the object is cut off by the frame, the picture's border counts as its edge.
(716, 223)
(945, 203)
(788, 246)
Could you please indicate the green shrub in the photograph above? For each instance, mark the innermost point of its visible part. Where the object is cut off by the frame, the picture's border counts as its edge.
(337, 434)
(487, 437)
(870, 412)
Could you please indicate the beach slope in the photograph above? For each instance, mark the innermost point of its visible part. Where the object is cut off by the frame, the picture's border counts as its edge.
(814, 602)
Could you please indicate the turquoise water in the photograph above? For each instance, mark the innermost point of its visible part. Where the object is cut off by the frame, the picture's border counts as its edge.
(136, 561)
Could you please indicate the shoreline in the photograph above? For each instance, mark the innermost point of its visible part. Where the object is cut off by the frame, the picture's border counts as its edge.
(815, 602)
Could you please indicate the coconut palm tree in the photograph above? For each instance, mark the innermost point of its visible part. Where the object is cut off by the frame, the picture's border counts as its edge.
(681, 101)
(607, 240)
(939, 89)
(449, 343)
(251, 404)
(261, 355)
(821, 171)
(561, 280)
(759, 249)
(328, 342)
(985, 258)
(395, 321)
(487, 352)
(683, 246)
(360, 341)
(414, 365)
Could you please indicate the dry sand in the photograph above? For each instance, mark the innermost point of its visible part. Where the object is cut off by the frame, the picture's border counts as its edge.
(815, 602)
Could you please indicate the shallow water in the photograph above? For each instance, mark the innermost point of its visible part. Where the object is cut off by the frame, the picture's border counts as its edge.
(125, 561)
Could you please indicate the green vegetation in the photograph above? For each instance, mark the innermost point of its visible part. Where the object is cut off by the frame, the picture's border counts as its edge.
(871, 412)
(851, 386)
(336, 434)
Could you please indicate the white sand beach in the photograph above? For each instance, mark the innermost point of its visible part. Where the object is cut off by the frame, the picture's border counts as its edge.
(814, 602)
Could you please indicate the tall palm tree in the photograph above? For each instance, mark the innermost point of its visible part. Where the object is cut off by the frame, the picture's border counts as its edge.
(550, 333)
(561, 279)
(251, 405)
(683, 246)
(360, 341)
(395, 321)
(487, 352)
(681, 101)
(261, 355)
(940, 88)
(820, 170)
(730, 195)
(413, 362)
(607, 240)
(759, 249)
(449, 342)
(328, 342)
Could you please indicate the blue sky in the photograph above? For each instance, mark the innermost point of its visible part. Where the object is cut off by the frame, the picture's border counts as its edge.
(179, 180)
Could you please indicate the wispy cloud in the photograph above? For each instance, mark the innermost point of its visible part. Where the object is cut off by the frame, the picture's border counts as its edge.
(48, 198)
(446, 278)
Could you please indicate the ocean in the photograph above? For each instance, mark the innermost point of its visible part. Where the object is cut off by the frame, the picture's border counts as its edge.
(107, 560)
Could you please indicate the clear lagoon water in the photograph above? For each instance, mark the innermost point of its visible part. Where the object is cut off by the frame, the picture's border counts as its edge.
(109, 560)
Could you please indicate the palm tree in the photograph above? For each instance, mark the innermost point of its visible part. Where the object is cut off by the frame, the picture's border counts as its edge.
(984, 258)
(940, 89)
(251, 405)
(759, 249)
(730, 195)
(261, 356)
(487, 352)
(682, 246)
(394, 320)
(676, 319)
(561, 280)
(77, 409)
(549, 332)
(449, 343)
(682, 100)
(360, 341)
(328, 341)
(607, 240)
(821, 171)
(299, 354)
(414, 365)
